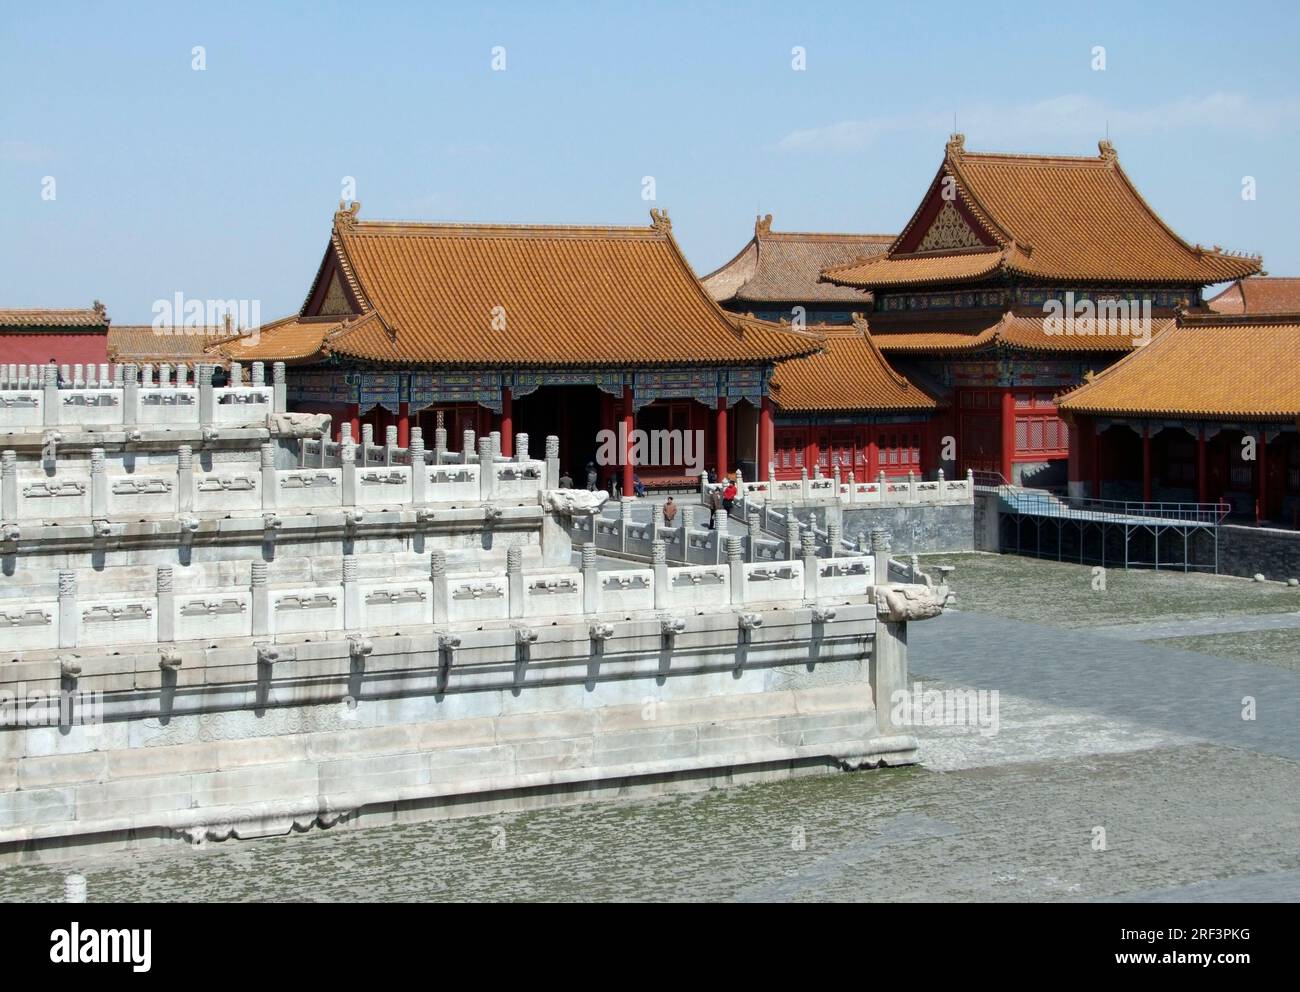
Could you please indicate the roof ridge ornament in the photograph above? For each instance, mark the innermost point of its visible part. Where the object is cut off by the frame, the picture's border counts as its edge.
(762, 225)
(659, 220)
(956, 146)
(346, 215)
(1108, 153)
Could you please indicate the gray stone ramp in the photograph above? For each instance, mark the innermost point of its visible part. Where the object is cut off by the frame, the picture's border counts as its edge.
(1182, 692)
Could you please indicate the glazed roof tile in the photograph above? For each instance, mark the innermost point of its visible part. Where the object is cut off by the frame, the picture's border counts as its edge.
(848, 373)
(1259, 294)
(531, 295)
(786, 266)
(1211, 367)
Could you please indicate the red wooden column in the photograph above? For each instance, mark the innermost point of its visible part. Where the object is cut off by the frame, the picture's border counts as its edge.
(1202, 481)
(629, 425)
(507, 424)
(1146, 463)
(720, 425)
(354, 415)
(403, 425)
(1008, 433)
(1095, 430)
(766, 439)
(1261, 477)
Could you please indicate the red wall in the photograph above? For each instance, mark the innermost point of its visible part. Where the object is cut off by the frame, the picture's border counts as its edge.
(65, 349)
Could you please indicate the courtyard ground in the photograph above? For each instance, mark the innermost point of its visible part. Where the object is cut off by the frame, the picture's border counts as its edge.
(1220, 615)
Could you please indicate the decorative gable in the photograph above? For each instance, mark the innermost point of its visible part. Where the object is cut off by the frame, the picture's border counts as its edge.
(948, 231)
(336, 299)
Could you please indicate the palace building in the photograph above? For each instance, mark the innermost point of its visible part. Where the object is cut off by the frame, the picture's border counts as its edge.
(548, 330)
(68, 336)
(1208, 412)
(982, 292)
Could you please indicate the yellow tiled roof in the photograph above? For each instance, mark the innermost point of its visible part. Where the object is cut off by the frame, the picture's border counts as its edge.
(493, 295)
(1259, 294)
(290, 339)
(786, 266)
(1059, 218)
(848, 373)
(20, 318)
(1208, 367)
(1023, 330)
(145, 343)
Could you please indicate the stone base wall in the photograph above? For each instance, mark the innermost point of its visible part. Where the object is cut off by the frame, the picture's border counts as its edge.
(919, 529)
(1249, 551)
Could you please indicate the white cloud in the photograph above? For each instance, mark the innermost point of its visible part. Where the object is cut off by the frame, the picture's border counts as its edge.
(1070, 116)
(22, 151)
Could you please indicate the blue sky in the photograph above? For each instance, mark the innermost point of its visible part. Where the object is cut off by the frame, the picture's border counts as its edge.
(222, 183)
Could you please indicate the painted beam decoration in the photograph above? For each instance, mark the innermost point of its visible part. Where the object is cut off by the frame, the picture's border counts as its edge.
(426, 389)
(524, 383)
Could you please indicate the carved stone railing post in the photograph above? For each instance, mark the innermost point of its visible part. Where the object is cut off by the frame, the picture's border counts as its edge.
(755, 531)
(487, 472)
(390, 443)
(791, 533)
(351, 594)
(521, 447)
(98, 484)
(438, 576)
(419, 473)
(207, 398)
(439, 442)
(833, 537)
(9, 486)
(515, 579)
(279, 388)
(182, 376)
(590, 580)
(736, 566)
(466, 446)
(166, 604)
(808, 549)
(267, 453)
(50, 397)
(367, 442)
(720, 538)
(236, 375)
(853, 496)
(624, 521)
(67, 609)
(656, 520)
(659, 562)
(495, 437)
(261, 595)
(552, 462)
(803, 483)
(880, 552)
(259, 374)
(348, 463)
(184, 478)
